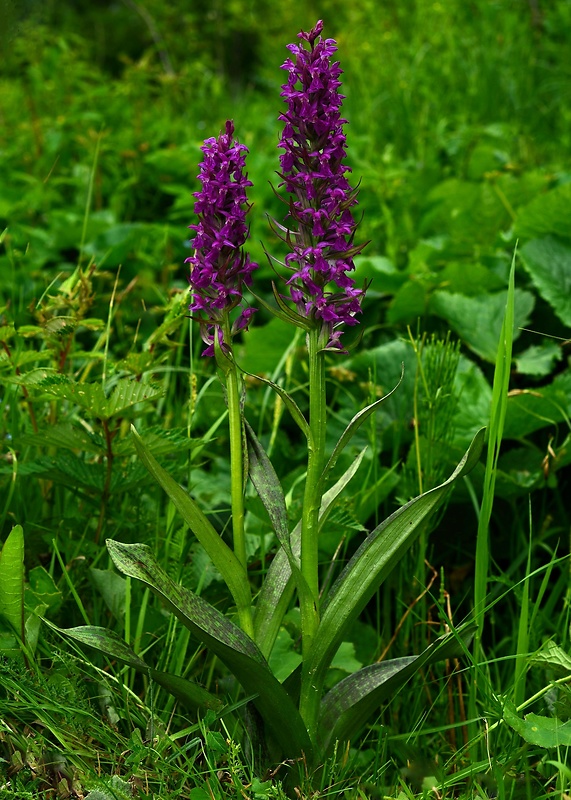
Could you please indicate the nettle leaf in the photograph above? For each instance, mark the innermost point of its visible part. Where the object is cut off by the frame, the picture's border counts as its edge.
(226, 640)
(545, 732)
(91, 396)
(42, 590)
(531, 410)
(67, 436)
(348, 705)
(478, 320)
(112, 645)
(548, 262)
(12, 580)
(553, 656)
(371, 564)
(549, 212)
(538, 360)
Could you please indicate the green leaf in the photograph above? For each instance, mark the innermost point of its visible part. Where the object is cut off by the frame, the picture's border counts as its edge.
(277, 589)
(232, 646)
(110, 643)
(549, 212)
(284, 659)
(12, 580)
(478, 320)
(112, 588)
(90, 397)
(541, 731)
(371, 564)
(348, 705)
(548, 262)
(551, 655)
(533, 409)
(350, 431)
(43, 590)
(289, 402)
(67, 436)
(271, 494)
(538, 360)
(221, 555)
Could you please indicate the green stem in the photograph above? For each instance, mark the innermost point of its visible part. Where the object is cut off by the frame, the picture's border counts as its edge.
(233, 379)
(312, 495)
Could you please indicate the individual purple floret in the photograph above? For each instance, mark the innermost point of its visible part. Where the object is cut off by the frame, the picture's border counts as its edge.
(314, 145)
(219, 267)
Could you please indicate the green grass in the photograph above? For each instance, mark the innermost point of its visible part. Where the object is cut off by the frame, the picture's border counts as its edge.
(459, 134)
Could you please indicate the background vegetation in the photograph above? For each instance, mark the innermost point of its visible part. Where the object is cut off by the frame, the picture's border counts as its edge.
(459, 135)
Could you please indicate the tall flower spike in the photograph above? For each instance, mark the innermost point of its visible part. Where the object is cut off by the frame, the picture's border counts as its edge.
(321, 227)
(219, 267)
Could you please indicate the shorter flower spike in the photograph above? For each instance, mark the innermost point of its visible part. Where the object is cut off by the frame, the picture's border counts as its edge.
(313, 172)
(219, 267)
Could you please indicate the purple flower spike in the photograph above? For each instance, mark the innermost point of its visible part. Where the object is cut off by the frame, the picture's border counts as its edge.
(314, 145)
(219, 267)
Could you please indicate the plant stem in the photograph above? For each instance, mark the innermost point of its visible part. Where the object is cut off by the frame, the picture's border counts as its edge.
(236, 430)
(312, 496)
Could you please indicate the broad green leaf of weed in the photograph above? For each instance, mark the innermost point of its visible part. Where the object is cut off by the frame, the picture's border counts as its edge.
(284, 659)
(112, 588)
(538, 360)
(409, 303)
(552, 655)
(533, 409)
(545, 732)
(386, 278)
(12, 580)
(42, 589)
(475, 396)
(548, 213)
(67, 436)
(478, 320)
(548, 262)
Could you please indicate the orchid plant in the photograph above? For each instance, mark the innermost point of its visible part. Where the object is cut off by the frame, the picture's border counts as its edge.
(318, 295)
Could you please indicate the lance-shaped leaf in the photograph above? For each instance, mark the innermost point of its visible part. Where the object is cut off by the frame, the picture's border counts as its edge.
(221, 555)
(373, 561)
(289, 402)
(12, 580)
(226, 640)
(271, 494)
(349, 704)
(111, 644)
(350, 431)
(277, 590)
